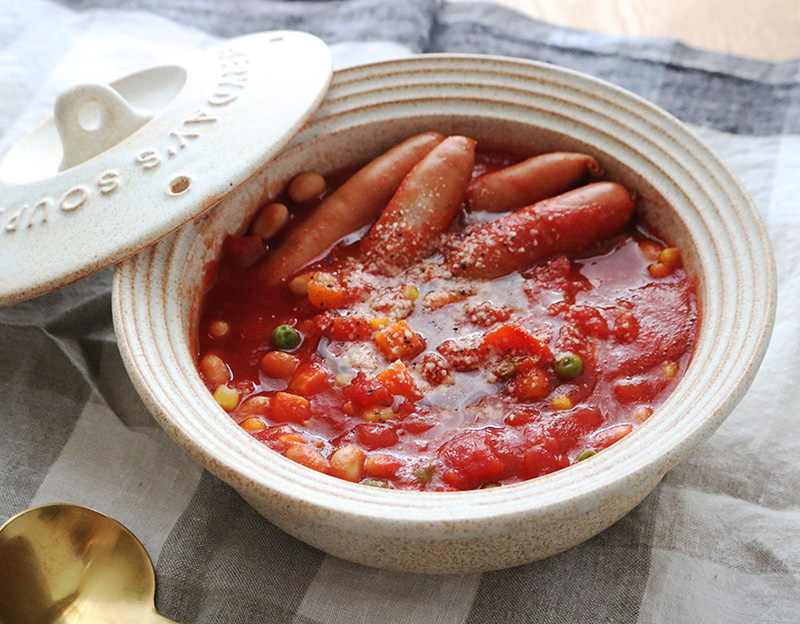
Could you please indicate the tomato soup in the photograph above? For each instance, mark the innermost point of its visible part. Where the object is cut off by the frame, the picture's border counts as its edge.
(438, 321)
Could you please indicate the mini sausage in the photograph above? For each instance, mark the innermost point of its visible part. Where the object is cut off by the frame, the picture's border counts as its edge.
(423, 206)
(569, 222)
(530, 181)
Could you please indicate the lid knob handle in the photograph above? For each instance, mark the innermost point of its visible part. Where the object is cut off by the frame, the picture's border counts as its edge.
(90, 118)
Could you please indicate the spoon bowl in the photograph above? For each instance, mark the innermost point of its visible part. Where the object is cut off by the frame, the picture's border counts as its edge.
(67, 561)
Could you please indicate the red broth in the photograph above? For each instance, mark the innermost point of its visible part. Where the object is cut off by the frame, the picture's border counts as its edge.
(421, 379)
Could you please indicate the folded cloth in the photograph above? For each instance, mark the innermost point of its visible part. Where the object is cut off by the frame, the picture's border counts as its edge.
(717, 541)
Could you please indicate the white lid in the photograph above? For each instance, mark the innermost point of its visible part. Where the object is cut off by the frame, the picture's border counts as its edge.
(120, 166)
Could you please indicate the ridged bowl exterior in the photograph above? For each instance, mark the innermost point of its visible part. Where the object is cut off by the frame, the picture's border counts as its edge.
(686, 193)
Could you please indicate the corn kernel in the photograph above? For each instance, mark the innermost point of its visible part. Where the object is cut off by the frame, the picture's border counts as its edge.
(642, 413)
(227, 397)
(411, 292)
(561, 403)
(670, 370)
(252, 424)
(379, 323)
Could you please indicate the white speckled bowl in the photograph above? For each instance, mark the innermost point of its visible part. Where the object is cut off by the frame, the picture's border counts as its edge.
(688, 195)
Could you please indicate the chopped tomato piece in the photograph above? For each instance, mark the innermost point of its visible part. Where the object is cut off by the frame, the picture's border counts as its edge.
(514, 339)
(366, 392)
(473, 456)
(540, 461)
(374, 436)
(463, 354)
(346, 328)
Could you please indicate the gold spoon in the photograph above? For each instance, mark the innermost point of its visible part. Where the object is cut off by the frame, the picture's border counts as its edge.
(67, 564)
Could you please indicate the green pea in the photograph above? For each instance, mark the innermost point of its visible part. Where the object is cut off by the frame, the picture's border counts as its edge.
(285, 337)
(569, 366)
(586, 454)
(487, 486)
(375, 483)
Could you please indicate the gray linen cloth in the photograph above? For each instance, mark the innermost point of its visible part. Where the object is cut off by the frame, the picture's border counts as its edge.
(717, 541)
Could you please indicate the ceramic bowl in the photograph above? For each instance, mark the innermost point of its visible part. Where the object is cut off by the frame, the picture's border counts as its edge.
(687, 194)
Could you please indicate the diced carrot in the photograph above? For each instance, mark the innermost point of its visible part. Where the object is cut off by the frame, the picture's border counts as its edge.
(325, 292)
(397, 380)
(290, 408)
(279, 364)
(308, 380)
(400, 341)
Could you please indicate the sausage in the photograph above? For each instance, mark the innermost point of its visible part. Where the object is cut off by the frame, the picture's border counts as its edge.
(422, 208)
(569, 222)
(530, 181)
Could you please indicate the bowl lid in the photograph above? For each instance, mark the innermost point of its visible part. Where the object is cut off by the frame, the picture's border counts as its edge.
(120, 166)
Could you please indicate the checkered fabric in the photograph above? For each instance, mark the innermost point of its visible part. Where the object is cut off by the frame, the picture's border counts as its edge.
(717, 541)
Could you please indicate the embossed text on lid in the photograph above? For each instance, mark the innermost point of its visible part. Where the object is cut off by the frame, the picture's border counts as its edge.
(122, 165)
